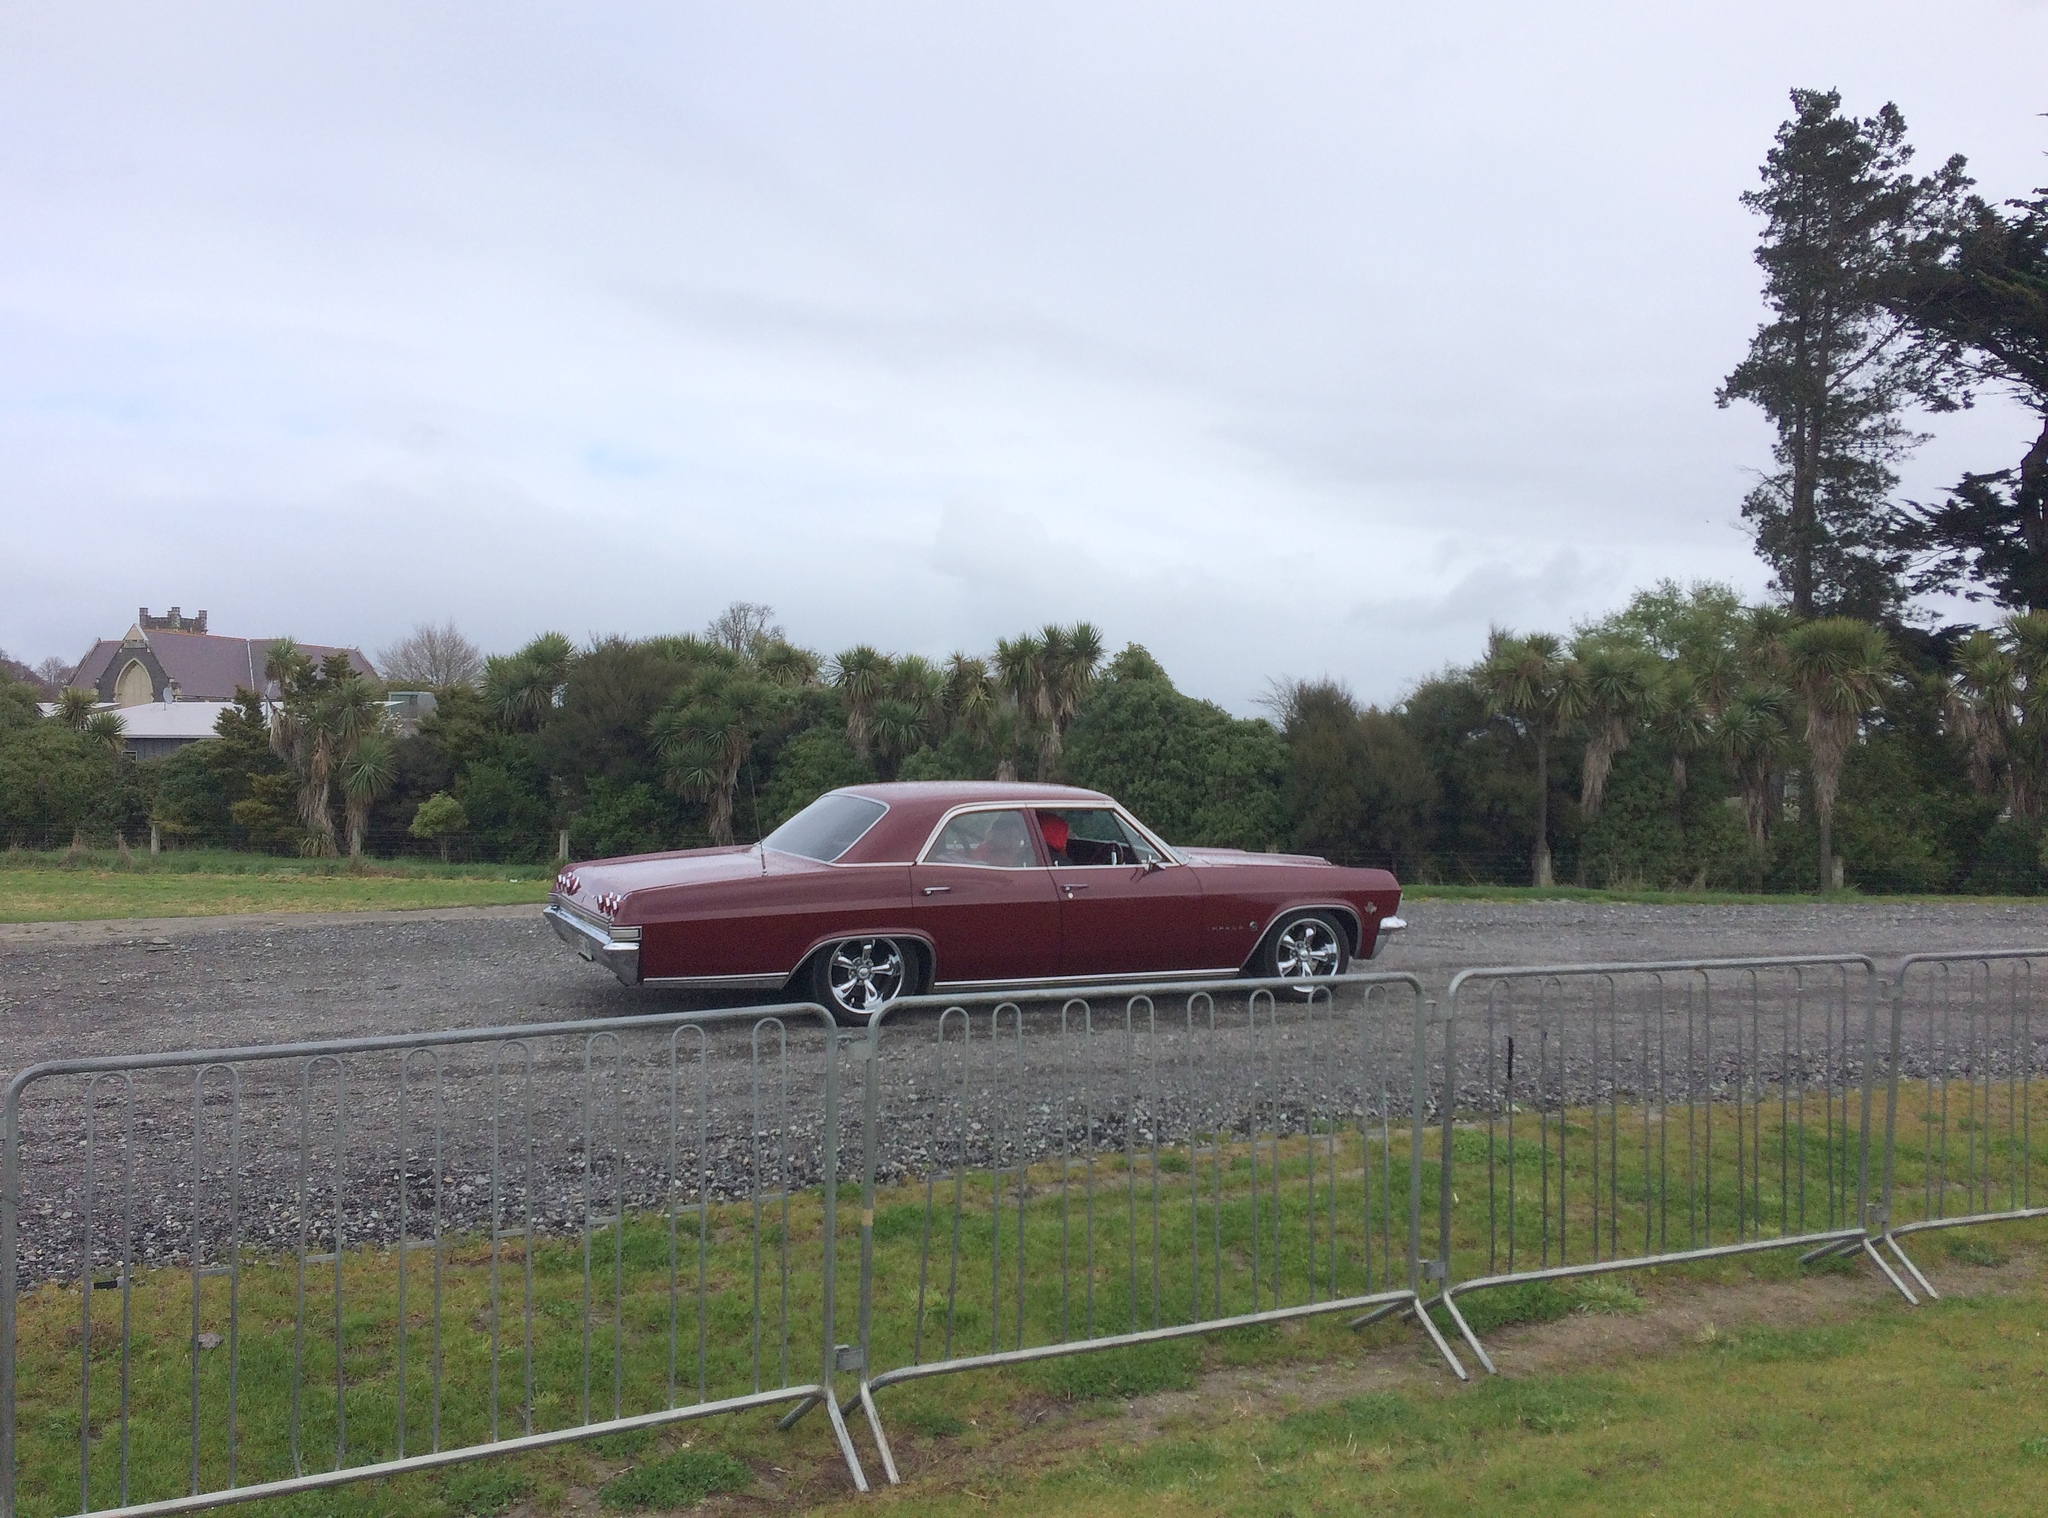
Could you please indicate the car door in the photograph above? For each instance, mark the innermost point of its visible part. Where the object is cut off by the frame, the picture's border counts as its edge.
(1125, 908)
(983, 894)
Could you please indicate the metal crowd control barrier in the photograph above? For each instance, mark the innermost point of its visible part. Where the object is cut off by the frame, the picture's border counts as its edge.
(379, 1255)
(1965, 1044)
(1088, 1170)
(1618, 1116)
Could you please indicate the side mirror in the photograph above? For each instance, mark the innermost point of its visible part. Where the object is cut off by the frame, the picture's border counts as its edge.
(1152, 865)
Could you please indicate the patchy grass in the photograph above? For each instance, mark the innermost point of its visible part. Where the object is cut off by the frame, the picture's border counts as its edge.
(1933, 1410)
(676, 1480)
(61, 887)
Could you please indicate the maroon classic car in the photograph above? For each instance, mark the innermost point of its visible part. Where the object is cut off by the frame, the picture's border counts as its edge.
(879, 891)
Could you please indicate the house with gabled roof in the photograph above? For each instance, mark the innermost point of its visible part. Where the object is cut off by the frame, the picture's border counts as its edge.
(170, 679)
(174, 658)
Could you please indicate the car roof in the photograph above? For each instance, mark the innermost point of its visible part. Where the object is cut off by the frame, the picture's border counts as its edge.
(915, 806)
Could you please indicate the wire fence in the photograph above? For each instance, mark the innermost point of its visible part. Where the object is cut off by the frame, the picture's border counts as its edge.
(247, 1272)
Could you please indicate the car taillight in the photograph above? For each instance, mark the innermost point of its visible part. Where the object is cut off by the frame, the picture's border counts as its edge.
(608, 902)
(566, 882)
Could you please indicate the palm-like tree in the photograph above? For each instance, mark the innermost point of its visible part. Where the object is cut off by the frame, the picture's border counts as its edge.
(705, 734)
(368, 770)
(1069, 658)
(302, 741)
(860, 675)
(1755, 730)
(1981, 701)
(1528, 680)
(1681, 717)
(1618, 685)
(969, 699)
(908, 712)
(1020, 668)
(107, 729)
(1837, 667)
(2026, 639)
(786, 665)
(74, 707)
(524, 687)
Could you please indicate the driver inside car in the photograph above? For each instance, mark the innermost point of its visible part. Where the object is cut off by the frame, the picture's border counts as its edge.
(1053, 829)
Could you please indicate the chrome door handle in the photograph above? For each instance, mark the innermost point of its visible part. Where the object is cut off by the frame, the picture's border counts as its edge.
(936, 890)
(1071, 889)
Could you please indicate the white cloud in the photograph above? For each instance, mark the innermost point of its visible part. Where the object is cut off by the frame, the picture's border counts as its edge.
(1311, 338)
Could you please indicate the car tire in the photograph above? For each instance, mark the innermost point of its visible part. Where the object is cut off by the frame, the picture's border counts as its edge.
(1305, 946)
(855, 978)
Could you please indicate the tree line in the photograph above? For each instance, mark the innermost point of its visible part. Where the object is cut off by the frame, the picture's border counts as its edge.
(1688, 741)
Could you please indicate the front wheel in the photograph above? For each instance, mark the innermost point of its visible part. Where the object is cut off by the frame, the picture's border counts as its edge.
(1309, 947)
(857, 977)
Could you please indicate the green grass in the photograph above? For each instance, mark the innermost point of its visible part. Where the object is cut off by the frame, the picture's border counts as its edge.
(676, 1480)
(61, 887)
(1931, 1411)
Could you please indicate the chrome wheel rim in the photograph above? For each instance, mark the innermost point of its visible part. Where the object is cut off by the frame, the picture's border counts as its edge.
(865, 974)
(1306, 948)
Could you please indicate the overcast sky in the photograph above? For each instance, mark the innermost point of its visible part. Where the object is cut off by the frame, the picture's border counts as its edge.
(1281, 338)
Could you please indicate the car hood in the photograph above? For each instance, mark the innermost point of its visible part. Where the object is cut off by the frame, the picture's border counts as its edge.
(1245, 856)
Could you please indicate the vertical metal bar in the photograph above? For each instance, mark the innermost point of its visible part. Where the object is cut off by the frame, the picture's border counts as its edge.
(10, 1280)
(234, 1267)
(497, 1216)
(404, 1234)
(1869, 1077)
(1543, 989)
(85, 1296)
(1495, 1100)
(1018, 1083)
(198, 1257)
(995, 1187)
(1251, 1064)
(1088, 1150)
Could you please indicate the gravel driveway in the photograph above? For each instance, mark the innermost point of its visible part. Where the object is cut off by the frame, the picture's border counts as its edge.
(85, 989)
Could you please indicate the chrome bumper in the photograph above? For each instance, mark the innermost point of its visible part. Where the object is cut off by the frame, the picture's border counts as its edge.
(617, 949)
(1388, 927)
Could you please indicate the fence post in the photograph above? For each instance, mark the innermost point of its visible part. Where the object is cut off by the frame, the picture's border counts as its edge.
(1444, 1198)
(10, 1201)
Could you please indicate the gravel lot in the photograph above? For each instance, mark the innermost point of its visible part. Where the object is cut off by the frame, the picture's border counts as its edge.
(99, 988)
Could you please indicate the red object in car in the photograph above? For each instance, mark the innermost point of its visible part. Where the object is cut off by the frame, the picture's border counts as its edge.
(879, 891)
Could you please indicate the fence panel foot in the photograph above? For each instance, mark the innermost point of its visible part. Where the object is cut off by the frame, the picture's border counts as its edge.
(1465, 1330)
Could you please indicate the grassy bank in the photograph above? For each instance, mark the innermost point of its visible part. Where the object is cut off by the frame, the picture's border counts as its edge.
(99, 884)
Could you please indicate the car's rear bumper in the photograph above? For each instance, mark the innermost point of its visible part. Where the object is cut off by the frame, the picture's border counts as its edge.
(617, 949)
(1389, 926)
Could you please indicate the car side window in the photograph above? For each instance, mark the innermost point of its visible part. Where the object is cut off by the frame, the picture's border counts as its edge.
(1092, 836)
(993, 840)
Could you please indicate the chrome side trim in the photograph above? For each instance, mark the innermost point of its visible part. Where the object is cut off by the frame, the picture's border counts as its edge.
(717, 982)
(1126, 977)
(619, 948)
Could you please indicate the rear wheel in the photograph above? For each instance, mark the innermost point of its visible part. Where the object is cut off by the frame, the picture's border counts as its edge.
(857, 977)
(1309, 947)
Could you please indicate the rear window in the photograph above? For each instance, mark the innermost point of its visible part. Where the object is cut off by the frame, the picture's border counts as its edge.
(827, 828)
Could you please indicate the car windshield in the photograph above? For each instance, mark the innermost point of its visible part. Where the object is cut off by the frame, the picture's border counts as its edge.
(827, 828)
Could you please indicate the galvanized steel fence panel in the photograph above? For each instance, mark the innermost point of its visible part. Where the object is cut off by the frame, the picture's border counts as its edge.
(1968, 1047)
(1615, 1116)
(1093, 1169)
(605, 1225)
(295, 1266)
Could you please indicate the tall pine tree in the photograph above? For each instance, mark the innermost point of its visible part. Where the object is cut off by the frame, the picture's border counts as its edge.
(1981, 287)
(1833, 366)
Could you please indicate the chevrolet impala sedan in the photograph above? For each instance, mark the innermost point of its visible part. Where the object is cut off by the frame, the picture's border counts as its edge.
(874, 892)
